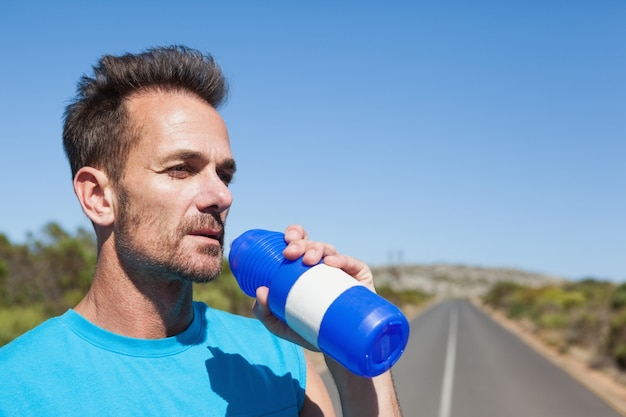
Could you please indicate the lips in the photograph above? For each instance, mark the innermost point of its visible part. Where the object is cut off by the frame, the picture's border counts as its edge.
(204, 227)
(209, 233)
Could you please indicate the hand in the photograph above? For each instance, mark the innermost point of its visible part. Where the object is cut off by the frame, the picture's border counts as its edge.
(298, 245)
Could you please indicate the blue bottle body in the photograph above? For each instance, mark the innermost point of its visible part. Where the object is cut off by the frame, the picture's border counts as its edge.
(328, 308)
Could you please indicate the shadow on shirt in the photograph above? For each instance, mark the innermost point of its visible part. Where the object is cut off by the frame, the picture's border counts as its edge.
(252, 390)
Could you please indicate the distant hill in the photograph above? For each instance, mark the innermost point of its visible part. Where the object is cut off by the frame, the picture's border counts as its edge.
(455, 280)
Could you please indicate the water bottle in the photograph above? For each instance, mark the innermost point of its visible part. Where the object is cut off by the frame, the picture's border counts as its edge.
(327, 307)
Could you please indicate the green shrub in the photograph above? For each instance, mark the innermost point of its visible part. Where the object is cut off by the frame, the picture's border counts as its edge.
(552, 321)
(619, 356)
(587, 313)
(583, 328)
(402, 298)
(17, 320)
(617, 338)
(520, 303)
(499, 296)
(618, 300)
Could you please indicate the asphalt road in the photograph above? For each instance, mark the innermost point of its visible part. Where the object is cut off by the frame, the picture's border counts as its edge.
(460, 363)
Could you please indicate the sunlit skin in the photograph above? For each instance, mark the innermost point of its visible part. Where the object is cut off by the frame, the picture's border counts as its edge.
(174, 196)
(161, 228)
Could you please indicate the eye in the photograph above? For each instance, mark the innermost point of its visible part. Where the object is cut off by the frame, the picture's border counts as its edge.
(179, 171)
(226, 177)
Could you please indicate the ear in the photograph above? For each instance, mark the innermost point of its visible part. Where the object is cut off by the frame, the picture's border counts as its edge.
(92, 187)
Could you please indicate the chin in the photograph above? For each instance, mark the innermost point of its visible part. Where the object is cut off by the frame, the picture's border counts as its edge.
(208, 271)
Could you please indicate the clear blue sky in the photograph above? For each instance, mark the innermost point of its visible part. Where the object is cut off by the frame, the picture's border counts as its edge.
(487, 133)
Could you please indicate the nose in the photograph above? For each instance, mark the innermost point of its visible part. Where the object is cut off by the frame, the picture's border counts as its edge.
(214, 195)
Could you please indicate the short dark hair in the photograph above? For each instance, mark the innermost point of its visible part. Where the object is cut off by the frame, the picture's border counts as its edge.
(96, 130)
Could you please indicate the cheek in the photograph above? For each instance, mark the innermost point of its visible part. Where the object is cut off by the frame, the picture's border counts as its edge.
(148, 215)
(157, 199)
(157, 206)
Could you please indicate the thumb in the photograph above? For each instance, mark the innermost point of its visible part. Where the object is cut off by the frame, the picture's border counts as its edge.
(260, 308)
(275, 325)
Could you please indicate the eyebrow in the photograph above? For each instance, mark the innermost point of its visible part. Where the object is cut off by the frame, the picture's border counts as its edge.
(183, 155)
(228, 164)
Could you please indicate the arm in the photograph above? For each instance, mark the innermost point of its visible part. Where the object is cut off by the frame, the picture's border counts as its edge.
(364, 396)
(359, 396)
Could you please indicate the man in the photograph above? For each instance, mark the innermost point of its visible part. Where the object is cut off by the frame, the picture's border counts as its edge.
(151, 163)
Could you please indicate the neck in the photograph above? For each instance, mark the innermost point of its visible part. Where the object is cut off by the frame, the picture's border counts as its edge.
(140, 307)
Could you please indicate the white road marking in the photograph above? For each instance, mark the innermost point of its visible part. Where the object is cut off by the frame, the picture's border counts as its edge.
(448, 372)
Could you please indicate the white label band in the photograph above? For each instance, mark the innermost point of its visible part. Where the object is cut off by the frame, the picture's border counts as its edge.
(311, 295)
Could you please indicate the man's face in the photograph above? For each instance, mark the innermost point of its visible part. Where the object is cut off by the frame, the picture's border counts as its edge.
(174, 198)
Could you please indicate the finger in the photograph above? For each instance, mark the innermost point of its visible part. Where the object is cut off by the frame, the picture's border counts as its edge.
(295, 232)
(346, 263)
(295, 249)
(260, 307)
(311, 252)
(262, 311)
(359, 270)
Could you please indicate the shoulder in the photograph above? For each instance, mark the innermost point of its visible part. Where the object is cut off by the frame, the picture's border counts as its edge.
(33, 357)
(39, 341)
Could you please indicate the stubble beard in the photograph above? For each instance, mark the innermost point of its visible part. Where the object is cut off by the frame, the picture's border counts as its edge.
(163, 256)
